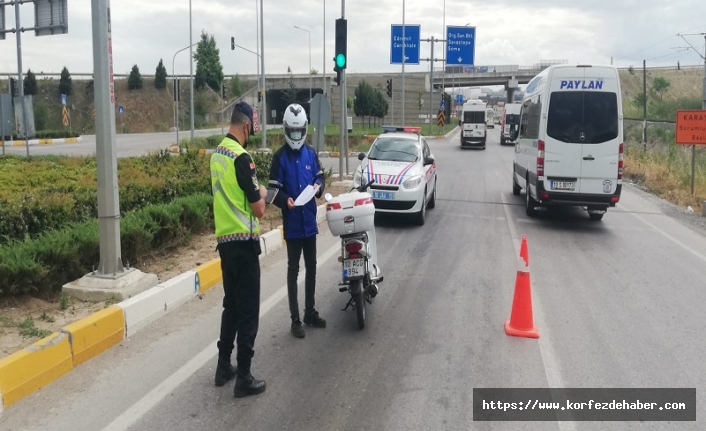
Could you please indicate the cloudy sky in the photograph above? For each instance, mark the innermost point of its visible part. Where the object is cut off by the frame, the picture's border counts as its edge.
(586, 31)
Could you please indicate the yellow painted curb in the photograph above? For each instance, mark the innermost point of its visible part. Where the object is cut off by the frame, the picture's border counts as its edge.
(174, 149)
(334, 154)
(34, 367)
(208, 275)
(71, 140)
(18, 143)
(96, 333)
(281, 231)
(202, 151)
(45, 141)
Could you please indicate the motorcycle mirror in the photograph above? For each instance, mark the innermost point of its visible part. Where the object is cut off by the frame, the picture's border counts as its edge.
(328, 197)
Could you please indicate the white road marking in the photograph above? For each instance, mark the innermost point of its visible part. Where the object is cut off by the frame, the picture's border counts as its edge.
(154, 397)
(666, 235)
(549, 358)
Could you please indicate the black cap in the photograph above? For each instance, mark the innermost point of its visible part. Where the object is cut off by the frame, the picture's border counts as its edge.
(246, 109)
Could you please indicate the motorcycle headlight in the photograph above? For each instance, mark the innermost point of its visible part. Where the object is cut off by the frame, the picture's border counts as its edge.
(412, 182)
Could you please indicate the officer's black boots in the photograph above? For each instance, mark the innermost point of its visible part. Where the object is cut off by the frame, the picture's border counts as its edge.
(248, 385)
(225, 372)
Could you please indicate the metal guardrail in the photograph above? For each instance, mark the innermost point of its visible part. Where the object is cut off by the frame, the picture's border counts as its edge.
(640, 120)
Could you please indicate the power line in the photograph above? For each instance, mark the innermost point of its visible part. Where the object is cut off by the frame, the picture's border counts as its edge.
(627, 57)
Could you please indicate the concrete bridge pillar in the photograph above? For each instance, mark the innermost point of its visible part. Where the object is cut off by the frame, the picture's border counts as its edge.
(510, 87)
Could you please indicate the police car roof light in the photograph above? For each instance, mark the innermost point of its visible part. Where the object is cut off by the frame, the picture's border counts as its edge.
(388, 129)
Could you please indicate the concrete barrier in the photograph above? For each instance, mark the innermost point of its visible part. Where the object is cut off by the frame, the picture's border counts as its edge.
(93, 335)
(179, 289)
(41, 142)
(34, 367)
(273, 241)
(143, 309)
(208, 275)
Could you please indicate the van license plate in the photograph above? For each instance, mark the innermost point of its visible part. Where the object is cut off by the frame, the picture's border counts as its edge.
(384, 195)
(562, 185)
(353, 268)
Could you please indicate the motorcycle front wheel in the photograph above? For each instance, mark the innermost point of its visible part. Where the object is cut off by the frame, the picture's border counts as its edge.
(359, 299)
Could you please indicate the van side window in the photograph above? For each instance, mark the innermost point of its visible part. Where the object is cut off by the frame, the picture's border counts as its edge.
(583, 117)
(529, 119)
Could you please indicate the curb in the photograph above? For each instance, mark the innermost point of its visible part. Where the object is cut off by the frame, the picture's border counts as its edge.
(36, 366)
(327, 154)
(442, 136)
(41, 142)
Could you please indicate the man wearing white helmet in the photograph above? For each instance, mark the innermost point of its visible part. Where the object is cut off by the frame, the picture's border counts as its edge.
(296, 166)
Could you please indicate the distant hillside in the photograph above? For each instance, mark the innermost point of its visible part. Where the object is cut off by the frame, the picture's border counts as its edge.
(684, 92)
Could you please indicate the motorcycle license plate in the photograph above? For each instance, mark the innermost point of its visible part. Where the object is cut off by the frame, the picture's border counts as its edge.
(353, 268)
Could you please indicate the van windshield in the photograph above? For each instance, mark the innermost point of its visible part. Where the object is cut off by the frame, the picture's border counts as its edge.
(512, 119)
(583, 117)
(474, 117)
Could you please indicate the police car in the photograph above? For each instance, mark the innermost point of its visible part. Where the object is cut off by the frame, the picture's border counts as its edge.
(404, 170)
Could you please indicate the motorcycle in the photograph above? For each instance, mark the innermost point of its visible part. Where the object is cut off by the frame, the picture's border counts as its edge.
(352, 217)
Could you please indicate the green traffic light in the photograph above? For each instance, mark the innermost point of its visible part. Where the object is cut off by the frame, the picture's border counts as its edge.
(340, 60)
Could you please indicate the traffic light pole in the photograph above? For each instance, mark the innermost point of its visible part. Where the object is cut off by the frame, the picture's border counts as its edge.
(431, 61)
(344, 127)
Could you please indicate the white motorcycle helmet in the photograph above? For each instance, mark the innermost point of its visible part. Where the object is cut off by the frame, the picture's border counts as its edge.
(295, 126)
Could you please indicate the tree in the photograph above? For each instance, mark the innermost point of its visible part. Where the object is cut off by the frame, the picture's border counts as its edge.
(380, 106)
(639, 100)
(290, 94)
(314, 72)
(236, 86)
(65, 84)
(209, 70)
(364, 100)
(160, 76)
(134, 81)
(349, 102)
(660, 85)
(30, 83)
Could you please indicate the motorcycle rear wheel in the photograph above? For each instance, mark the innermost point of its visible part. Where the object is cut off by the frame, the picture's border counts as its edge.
(359, 299)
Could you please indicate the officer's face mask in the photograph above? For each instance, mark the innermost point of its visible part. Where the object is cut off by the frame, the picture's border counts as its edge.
(246, 133)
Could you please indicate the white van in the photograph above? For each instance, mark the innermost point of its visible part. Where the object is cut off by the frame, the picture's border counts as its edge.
(490, 118)
(473, 126)
(570, 146)
(511, 123)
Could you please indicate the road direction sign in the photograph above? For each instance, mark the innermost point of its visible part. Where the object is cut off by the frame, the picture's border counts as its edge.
(412, 33)
(63, 100)
(459, 99)
(65, 116)
(441, 118)
(460, 46)
(121, 109)
(442, 105)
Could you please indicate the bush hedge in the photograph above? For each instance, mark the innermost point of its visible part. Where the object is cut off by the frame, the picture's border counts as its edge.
(41, 266)
(43, 193)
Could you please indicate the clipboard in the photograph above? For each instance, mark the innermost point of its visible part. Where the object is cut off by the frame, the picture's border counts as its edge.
(271, 194)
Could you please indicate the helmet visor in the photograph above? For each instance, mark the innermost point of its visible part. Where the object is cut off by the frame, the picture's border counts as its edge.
(295, 133)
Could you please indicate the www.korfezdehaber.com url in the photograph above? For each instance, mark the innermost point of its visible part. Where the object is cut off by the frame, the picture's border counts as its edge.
(591, 405)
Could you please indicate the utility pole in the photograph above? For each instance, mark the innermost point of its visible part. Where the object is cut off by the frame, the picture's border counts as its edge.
(431, 79)
(263, 145)
(191, 70)
(343, 120)
(404, 43)
(644, 103)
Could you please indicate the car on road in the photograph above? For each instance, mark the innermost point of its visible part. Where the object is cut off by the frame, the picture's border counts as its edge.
(404, 169)
(570, 147)
(511, 123)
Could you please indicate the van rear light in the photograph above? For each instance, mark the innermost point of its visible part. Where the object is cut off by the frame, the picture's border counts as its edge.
(614, 199)
(333, 206)
(363, 201)
(544, 195)
(354, 247)
(540, 159)
(620, 163)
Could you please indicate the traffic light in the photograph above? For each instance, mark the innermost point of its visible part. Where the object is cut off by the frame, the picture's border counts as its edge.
(13, 87)
(389, 87)
(259, 96)
(338, 71)
(341, 58)
(223, 91)
(232, 43)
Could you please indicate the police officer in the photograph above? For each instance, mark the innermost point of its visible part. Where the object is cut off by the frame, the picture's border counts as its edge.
(296, 166)
(238, 203)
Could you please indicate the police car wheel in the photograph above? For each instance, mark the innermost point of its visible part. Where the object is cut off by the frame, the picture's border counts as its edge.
(421, 216)
(432, 201)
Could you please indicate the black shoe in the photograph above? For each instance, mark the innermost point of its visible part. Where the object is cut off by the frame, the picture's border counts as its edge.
(313, 319)
(224, 373)
(297, 328)
(249, 385)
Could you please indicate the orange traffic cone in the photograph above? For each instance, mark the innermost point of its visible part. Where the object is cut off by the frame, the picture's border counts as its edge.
(521, 323)
(524, 253)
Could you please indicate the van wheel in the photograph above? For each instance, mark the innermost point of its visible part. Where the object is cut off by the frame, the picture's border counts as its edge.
(515, 187)
(596, 217)
(530, 203)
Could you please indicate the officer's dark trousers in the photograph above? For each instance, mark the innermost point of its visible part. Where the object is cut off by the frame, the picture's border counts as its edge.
(294, 252)
(240, 265)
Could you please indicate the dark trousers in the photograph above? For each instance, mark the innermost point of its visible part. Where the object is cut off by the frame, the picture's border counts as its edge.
(294, 252)
(240, 264)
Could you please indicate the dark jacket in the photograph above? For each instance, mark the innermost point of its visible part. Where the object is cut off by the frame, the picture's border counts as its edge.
(291, 172)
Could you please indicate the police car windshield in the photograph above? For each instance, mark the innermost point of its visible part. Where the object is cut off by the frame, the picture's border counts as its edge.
(583, 117)
(395, 150)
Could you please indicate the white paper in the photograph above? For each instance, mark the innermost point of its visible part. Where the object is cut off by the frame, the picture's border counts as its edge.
(306, 196)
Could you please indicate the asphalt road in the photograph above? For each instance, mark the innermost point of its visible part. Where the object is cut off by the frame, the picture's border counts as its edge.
(617, 303)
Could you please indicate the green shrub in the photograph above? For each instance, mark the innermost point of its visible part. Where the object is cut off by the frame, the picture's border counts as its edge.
(42, 265)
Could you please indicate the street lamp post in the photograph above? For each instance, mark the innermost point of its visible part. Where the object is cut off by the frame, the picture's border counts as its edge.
(310, 83)
(191, 69)
(176, 96)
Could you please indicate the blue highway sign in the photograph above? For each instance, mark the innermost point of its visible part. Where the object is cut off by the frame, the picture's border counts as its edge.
(411, 51)
(460, 46)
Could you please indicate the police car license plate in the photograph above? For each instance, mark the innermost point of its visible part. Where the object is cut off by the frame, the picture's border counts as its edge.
(353, 268)
(562, 185)
(384, 195)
